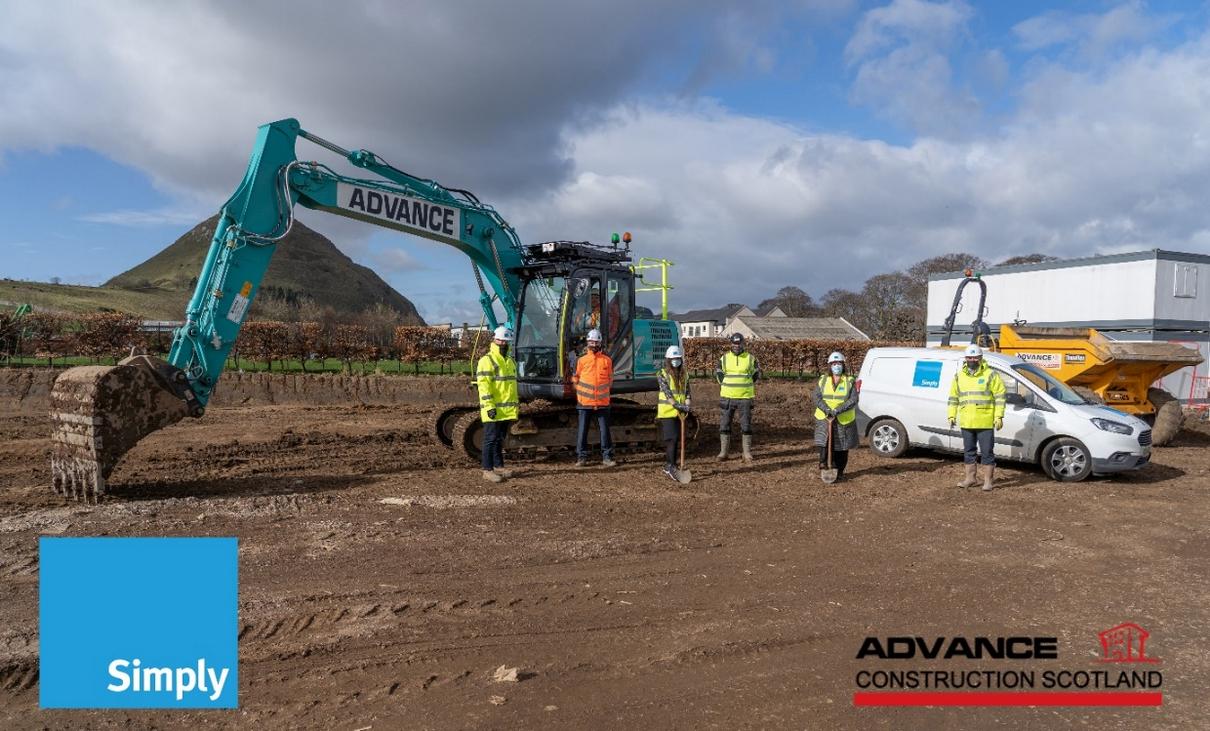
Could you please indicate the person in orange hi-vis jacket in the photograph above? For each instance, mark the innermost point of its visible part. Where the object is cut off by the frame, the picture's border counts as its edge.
(593, 380)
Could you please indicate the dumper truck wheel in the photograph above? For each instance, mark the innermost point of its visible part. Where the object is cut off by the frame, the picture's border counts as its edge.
(1066, 460)
(1168, 419)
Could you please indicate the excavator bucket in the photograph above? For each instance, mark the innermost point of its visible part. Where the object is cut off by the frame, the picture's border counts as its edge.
(98, 413)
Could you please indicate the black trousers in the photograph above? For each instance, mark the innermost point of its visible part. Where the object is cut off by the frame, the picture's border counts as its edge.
(840, 459)
(729, 406)
(670, 432)
(494, 433)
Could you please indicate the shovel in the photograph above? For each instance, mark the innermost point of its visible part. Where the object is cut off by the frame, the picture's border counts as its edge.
(683, 475)
(829, 475)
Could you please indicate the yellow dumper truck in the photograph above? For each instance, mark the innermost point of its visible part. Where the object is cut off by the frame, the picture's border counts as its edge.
(1117, 373)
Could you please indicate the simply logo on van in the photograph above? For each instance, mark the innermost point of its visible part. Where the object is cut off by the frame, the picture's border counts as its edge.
(927, 374)
(138, 623)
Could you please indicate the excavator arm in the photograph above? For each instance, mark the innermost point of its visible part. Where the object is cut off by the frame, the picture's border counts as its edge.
(98, 413)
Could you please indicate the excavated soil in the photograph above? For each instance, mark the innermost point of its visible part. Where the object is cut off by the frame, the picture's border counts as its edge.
(382, 582)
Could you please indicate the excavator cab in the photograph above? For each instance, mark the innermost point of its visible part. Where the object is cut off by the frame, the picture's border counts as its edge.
(569, 290)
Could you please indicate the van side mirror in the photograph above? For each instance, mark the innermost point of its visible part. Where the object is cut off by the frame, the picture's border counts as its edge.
(1014, 399)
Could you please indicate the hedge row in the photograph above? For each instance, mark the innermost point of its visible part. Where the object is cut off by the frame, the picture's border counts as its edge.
(783, 356)
(112, 335)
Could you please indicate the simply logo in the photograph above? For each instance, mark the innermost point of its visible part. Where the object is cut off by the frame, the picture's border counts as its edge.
(138, 623)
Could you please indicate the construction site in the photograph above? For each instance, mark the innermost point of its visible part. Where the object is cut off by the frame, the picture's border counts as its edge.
(383, 585)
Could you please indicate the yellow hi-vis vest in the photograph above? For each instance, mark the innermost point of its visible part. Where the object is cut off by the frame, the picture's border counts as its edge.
(666, 410)
(977, 400)
(496, 377)
(737, 375)
(834, 396)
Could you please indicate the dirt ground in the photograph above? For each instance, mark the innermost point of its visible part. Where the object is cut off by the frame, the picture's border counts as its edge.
(739, 601)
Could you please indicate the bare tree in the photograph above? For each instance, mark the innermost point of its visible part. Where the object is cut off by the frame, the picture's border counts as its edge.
(793, 301)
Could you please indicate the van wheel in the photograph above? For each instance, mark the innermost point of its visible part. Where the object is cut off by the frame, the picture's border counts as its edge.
(1066, 460)
(888, 438)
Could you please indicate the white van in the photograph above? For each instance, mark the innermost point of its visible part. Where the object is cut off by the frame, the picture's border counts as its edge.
(903, 403)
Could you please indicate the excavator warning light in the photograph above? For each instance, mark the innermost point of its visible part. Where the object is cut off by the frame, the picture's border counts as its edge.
(613, 238)
(626, 238)
(968, 272)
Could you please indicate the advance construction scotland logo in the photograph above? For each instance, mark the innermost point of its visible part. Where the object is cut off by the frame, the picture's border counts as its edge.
(1010, 671)
(138, 623)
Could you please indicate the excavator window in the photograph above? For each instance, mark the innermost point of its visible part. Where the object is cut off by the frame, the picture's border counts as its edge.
(618, 329)
(585, 311)
(537, 351)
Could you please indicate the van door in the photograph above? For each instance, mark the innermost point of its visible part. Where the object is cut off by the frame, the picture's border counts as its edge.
(930, 387)
(1024, 420)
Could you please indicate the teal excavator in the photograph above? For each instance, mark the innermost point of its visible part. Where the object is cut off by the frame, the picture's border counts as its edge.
(551, 294)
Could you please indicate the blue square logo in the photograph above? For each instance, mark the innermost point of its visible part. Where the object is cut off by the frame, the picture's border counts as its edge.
(138, 622)
(927, 374)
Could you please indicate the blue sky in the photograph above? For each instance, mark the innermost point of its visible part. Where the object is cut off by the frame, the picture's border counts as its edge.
(823, 140)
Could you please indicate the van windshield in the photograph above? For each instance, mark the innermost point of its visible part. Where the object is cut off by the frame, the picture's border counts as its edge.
(1050, 385)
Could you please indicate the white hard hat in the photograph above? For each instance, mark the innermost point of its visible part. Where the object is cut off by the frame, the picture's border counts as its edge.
(973, 351)
(836, 357)
(594, 335)
(674, 351)
(502, 333)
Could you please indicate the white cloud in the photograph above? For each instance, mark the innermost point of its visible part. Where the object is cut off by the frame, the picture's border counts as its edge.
(1095, 34)
(159, 217)
(1100, 161)
(394, 261)
(901, 53)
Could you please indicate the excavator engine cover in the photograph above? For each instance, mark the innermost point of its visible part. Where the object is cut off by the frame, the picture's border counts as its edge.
(98, 413)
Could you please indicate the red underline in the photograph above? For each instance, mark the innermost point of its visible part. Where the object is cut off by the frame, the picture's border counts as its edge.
(976, 698)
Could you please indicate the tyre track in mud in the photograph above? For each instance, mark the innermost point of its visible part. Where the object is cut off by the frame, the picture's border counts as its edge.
(626, 599)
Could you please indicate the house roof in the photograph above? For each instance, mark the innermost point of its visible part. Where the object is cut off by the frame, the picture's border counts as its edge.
(719, 315)
(802, 328)
(772, 310)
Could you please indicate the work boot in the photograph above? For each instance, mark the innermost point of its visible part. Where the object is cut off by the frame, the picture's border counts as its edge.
(724, 441)
(746, 441)
(581, 462)
(491, 476)
(608, 462)
(671, 472)
(971, 477)
(989, 478)
(503, 472)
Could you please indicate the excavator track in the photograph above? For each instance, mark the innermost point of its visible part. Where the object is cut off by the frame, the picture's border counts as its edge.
(443, 423)
(546, 428)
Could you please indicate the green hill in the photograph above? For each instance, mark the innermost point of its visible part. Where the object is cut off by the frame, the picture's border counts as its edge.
(305, 266)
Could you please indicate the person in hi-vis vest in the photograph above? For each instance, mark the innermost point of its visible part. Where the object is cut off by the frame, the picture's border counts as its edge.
(499, 405)
(673, 405)
(836, 409)
(976, 405)
(593, 381)
(737, 374)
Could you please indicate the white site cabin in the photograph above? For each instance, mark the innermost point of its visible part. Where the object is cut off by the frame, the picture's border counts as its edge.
(1146, 295)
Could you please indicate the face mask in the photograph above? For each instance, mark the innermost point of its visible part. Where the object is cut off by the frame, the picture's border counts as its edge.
(972, 365)
(837, 368)
(676, 362)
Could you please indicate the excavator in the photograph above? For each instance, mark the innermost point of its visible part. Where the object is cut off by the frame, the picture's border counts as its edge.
(551, 293)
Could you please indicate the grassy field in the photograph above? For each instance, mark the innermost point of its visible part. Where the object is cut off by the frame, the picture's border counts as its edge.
(152, 304)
